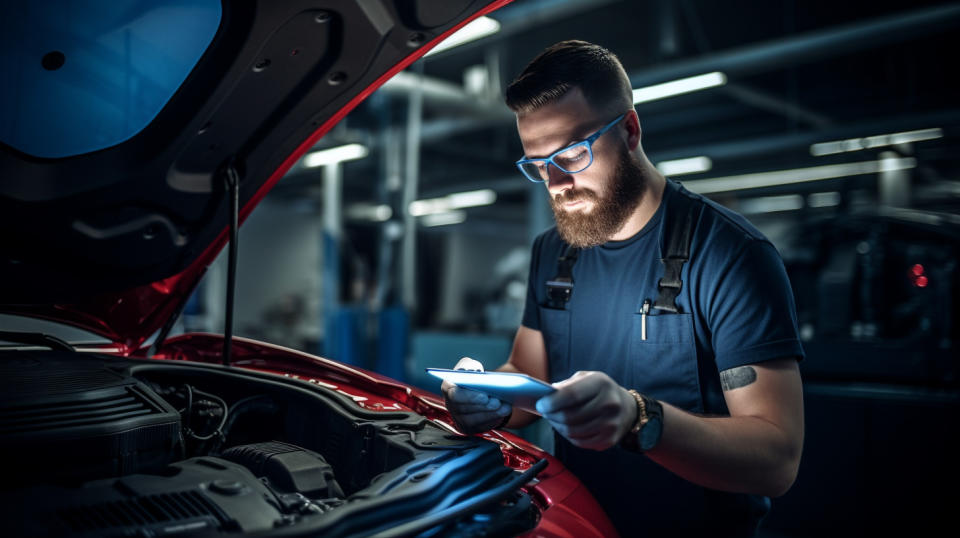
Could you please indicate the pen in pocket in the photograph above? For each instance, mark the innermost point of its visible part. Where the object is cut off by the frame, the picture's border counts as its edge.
(644, 310)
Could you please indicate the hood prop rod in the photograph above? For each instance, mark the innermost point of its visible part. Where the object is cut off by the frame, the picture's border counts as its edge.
(232, 183)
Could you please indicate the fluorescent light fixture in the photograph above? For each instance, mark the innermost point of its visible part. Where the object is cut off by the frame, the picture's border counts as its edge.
(460, 200)
(878, 141)
(771, 204)
(335, 155)
(797, 175)
(476, 29)
(472, 198)
(678, 87)
(824, 199)
(373, 213)
(679, 167)
(443, 219)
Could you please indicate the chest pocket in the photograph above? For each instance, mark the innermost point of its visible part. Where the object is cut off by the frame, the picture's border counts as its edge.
(555, 326)
(664, 364)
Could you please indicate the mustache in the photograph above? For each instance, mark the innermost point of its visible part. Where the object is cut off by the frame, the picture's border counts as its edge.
(575, 195)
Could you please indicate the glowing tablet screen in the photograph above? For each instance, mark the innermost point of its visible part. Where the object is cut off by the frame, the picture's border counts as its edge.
(520, 390)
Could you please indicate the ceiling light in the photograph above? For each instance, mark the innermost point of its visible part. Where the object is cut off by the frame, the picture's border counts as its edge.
(892, 139)
(335, 155)
(823, 199)
(771, 204)
(797, 175)
(443, 219)
(679, 167)
(458, 200)
(680, 86)
(370, 212)
(475, 29)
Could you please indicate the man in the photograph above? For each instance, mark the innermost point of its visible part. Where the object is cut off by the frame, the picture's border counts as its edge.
(679, 404)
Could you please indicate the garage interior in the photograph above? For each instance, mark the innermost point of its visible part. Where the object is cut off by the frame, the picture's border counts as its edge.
(402, 241)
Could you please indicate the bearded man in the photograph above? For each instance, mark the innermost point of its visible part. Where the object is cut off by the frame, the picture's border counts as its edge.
(665, 321)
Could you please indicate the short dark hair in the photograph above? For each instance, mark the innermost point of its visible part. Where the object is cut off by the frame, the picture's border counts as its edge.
(567, 65)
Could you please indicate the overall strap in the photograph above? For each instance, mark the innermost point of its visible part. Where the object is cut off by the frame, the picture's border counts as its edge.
(679, 224)
(560, 287)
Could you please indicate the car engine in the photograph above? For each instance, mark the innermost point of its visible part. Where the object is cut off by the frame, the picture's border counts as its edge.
(106, 446)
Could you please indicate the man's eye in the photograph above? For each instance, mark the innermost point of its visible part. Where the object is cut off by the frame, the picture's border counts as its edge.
(573, 155)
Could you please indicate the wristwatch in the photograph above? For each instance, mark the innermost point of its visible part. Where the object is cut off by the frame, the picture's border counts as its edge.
(646, 430)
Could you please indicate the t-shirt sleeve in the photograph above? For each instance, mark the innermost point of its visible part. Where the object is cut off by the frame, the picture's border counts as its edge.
(531, 314)
(752, 313)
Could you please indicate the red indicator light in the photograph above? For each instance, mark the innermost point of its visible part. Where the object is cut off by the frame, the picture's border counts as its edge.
(921, 282)
(917, 270)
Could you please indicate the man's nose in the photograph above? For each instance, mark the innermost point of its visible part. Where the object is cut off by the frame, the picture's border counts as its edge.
(558, 180)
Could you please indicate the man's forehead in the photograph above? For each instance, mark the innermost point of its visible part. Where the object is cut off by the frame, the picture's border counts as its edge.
(556, 125)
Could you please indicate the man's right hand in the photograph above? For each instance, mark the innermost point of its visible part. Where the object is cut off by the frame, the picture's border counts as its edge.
(473, 411)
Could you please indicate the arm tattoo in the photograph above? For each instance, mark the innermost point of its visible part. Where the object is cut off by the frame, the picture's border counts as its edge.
(735, 378)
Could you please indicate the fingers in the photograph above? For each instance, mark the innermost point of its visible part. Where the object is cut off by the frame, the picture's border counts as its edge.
(472, 410)
(466, 363)
(483, 419)
(463, 395)
(573, 392)
(589, 409)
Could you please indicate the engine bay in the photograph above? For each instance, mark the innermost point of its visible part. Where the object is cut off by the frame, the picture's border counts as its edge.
(107, 446)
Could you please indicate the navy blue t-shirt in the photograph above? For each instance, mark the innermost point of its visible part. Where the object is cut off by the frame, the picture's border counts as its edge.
(737, 308)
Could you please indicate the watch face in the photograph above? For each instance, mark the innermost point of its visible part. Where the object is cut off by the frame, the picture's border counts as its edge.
(649, 434)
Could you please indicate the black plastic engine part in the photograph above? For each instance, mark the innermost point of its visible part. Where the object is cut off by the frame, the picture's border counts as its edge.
(68, 417)
(199, 495)
(289, 468)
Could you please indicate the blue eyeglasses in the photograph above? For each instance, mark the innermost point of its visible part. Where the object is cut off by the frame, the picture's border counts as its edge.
(571, 159)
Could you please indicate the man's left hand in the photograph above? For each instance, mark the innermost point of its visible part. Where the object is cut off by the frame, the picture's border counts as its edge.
(589, 409)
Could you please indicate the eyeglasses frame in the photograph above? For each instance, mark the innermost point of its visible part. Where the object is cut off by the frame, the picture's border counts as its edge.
(588, 142)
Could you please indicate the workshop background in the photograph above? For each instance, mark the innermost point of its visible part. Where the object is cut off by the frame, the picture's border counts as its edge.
(403, 240)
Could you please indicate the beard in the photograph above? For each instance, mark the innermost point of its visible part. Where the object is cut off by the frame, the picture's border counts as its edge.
(611, 209)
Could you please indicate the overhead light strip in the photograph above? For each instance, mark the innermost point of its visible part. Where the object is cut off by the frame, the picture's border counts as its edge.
(679, 167)
(823, 199)
(679, 87)
(348, 152)
(476, 29)
(770, 204)
(797, 175)
(460, 200)
(443, 219)
(878, 141)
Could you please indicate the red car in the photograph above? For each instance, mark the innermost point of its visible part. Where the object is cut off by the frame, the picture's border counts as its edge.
(136, 137)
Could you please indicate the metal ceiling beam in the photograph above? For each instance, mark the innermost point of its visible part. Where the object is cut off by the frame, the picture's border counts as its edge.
(779, 53)
(747, 60)
(770, 103)
(753, 147)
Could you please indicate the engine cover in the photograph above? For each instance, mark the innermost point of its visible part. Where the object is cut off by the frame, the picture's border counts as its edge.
(199, 495)
(70, 417)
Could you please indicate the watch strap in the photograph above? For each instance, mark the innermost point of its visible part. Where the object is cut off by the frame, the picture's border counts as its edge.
(646, 429)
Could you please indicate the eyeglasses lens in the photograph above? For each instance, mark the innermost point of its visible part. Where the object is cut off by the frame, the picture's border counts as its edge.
(537, 171)
(575, 159)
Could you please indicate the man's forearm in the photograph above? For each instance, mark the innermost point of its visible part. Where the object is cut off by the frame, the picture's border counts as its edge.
(744, 454)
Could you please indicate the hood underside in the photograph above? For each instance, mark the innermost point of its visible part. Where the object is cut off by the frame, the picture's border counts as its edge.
(115, 239)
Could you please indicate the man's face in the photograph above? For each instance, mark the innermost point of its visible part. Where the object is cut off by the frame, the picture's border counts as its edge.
(593, 205)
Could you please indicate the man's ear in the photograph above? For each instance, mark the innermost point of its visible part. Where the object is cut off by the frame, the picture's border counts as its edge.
(632, 125)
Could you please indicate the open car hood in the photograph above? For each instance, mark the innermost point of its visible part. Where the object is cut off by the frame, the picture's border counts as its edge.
(111, 230)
